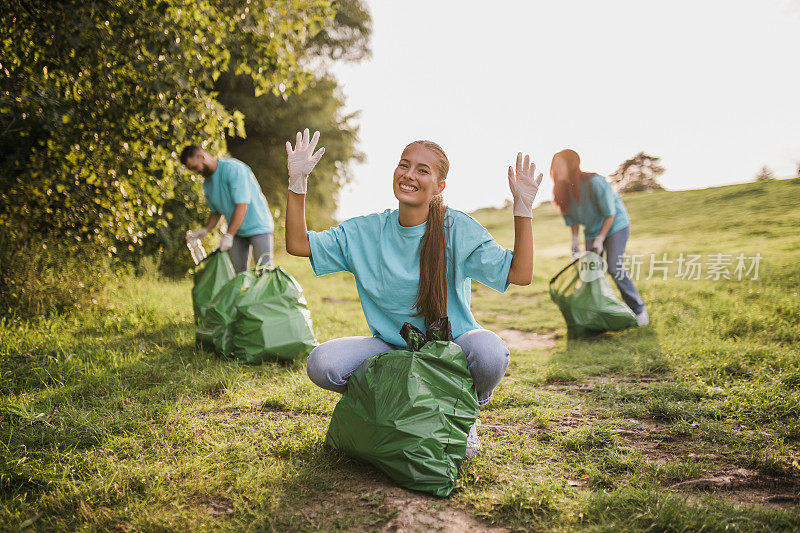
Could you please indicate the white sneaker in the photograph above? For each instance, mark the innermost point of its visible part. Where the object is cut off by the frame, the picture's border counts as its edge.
(642, 319)
(473, 442)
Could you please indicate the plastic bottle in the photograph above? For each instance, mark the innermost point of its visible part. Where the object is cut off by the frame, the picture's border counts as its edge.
(197, 250)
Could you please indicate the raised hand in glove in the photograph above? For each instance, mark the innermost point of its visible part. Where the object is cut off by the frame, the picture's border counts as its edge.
(302, 159)
(523, 186)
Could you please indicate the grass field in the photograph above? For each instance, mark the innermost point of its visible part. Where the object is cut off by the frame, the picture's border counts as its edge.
(114, 420)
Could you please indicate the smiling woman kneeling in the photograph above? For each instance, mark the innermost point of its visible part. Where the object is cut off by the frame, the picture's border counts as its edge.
(413, 264)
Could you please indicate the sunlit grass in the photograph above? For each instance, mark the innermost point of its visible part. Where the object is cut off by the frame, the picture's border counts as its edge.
(114, 419)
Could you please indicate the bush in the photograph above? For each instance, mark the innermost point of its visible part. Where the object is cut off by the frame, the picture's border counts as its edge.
(167, 244)
(765, 174)
(47, 277)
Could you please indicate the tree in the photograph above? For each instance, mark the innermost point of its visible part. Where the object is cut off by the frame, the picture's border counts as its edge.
(639, 173)
(765, 174)
(269, 121)
(346, 38)
(95, 97)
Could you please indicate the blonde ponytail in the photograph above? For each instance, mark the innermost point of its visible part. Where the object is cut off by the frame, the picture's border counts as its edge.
(431, 299)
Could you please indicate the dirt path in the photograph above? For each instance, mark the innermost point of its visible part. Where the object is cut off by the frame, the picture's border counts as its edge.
(527, 340)
(366, 500)
(365, 493)
(394, 509)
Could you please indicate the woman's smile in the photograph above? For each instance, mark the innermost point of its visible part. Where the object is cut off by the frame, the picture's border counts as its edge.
(415, 180)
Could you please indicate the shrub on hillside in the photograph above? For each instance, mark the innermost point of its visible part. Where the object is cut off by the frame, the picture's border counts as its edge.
(639, 173)
(765, 174)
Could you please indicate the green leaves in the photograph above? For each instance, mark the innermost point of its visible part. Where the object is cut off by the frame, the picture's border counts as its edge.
(271, 120)
(96, 100)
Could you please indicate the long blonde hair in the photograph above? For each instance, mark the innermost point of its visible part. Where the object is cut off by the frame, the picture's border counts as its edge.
(431, 299)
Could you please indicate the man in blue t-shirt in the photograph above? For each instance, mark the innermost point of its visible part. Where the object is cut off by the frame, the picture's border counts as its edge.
(232, 190)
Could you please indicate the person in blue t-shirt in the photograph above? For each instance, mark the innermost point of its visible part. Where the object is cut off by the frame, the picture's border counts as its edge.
(413, 264)
(585, 198)
(232, 190)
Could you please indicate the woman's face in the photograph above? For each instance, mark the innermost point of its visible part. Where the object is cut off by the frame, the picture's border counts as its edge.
(559, 170)
(415, 178)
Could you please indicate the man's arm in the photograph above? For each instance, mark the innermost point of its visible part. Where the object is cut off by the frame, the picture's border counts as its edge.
(237, 218)
(212, 222)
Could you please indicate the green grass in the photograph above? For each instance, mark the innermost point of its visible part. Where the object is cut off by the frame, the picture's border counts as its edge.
(112, 419)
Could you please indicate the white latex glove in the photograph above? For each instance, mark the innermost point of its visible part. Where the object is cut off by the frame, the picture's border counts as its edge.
(597, 245)
(302, 160)
(576, 245)
(196, 234)
(523, 186)
(226, 242)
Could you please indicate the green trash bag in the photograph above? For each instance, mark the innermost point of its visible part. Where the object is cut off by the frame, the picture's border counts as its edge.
(216, 327)
(272, 320)
(586, 299)
(408, 412)
(209, 277)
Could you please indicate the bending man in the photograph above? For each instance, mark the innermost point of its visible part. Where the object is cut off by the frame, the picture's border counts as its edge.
(232, 190)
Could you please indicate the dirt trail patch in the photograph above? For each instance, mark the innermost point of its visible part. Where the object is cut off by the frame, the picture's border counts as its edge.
(419, 513)
(386, 507)
(562, 424)
(213, 505)
(748, 487)
(506, 429)
(364, 491)
(271, 413)
(722, 478)
(713, 482)
(332, 300)
(589, 384)
(527, 340)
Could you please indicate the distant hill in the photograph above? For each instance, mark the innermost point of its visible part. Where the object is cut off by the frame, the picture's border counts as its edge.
(744, 218)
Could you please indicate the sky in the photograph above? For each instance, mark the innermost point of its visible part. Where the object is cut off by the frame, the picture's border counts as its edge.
(712, 87)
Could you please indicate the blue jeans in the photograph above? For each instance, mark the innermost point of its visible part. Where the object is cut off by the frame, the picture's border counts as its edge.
(260, 245)
(614, 250)
(331, 363)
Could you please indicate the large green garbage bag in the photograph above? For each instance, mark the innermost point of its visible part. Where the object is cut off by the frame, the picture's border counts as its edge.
(209, 277)
(272, 320)
(216, 327)
(408, 412)
(586, 299)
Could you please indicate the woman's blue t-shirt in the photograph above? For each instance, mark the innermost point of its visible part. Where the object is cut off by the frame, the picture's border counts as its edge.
(384, 258)
(598, 201)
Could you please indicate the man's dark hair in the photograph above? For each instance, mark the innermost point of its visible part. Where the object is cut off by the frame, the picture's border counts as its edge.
(188, 152)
